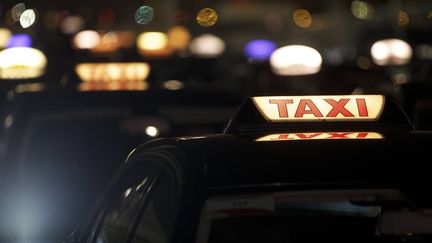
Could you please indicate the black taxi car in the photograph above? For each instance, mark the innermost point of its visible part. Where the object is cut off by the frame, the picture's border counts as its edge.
(286, 169)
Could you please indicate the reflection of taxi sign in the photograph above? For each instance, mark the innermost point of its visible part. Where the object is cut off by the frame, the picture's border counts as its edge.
(319, 108)
(320, 136)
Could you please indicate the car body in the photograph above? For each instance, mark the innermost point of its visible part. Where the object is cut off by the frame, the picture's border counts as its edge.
(266, 181)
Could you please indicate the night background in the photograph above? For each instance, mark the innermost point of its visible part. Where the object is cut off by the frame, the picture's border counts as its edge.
(84, 83)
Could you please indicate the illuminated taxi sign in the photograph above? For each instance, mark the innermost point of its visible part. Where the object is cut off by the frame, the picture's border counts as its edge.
(320, 108)
(320, 136)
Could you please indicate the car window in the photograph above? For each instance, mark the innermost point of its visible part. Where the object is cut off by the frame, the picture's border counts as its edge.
(302, 217)
(124, 206)
(157, 221)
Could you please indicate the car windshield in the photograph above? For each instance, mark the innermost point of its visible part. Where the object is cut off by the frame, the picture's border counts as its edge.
(297, 218)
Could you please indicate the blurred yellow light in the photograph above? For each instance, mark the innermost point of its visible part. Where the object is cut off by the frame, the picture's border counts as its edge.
(112, 86)
(362, 10)
(179, 37)
(391, 52)
(302, 18)
(113, 72)
(30, 87)
(295, 60)
(173, 85)
(21, 62)
(113, 76)
(27, 18)
(207, 45)
(86, 39)
(4, 37)
(403, 18)
(108, 43)
(207, 17)
(153, 44)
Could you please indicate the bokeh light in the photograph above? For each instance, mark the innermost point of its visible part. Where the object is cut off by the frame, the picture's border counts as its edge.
(86, 39)
(207, 45)
(5, 34)
(152, 131)
(362, 10)
(153, 44)
(179, 37)
(17, 10)
(173, 85)
(207, 17)
(302, 18)
(144, 14)
(21, 62)
(403, 18)
(72, 24)
(113, 76)
(295, 60)
(19, 40)
(391, 52)
(259, 49)
(27, 19)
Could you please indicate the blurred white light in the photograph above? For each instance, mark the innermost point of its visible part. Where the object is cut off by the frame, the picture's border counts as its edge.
(27, 18)
(207, 45)
(295, 60)
(152, 131)
(72, 24)
(173, 85)
(4, 37)
(17, 10)
(152, 41)
(391, 52)
(21, 62)
(127, 192)
(8, 121)
(87, 39)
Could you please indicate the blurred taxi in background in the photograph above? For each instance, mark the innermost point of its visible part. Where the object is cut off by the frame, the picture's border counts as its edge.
(60, 147)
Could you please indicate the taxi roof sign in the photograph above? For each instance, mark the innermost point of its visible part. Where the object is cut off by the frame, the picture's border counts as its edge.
(321, 112)
(319, 108)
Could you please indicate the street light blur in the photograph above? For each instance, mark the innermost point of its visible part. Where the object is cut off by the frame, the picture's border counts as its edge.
(295, 60)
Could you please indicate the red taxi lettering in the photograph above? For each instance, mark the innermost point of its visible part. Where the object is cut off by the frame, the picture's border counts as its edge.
(312, 109)
(282, 106)
(339, 134)
(338, 107)
(362, 135)
(283, 137)
(362, 108)
(307, 136)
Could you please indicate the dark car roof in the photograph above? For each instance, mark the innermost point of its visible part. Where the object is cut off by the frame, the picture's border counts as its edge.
(232, 161)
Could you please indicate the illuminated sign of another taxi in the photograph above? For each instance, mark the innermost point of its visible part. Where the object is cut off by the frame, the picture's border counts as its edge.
(320, 108)
(320, 136)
